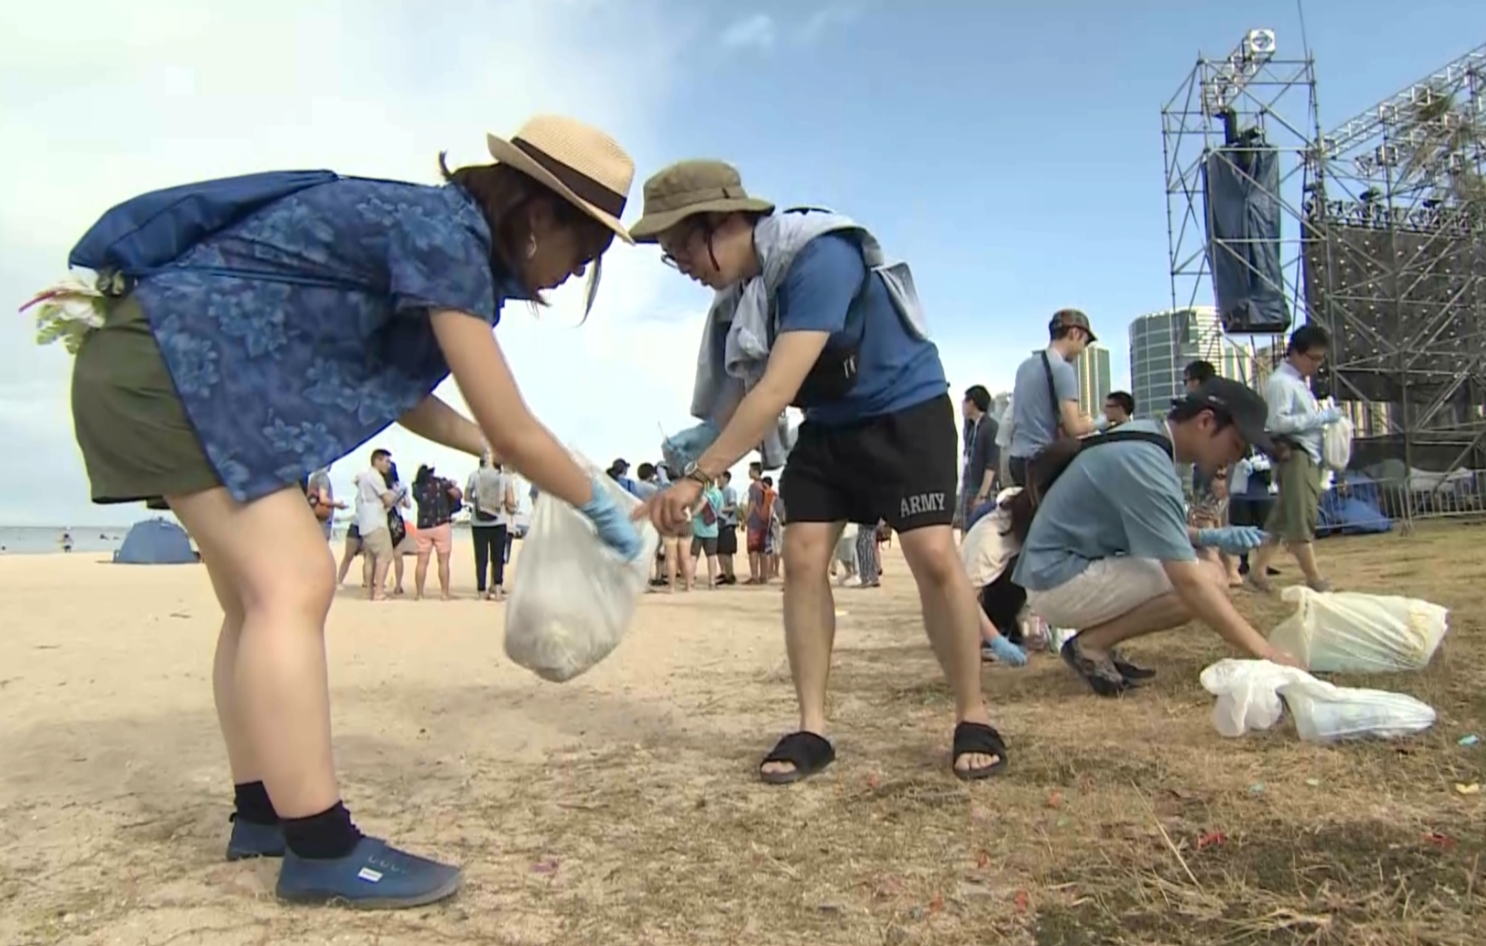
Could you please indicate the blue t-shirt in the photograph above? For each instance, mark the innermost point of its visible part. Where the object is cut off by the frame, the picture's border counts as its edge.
(279, 379)
(1034, 420)
(895, 369)
(1113, 499)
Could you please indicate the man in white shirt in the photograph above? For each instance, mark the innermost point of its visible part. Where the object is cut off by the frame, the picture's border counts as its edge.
(1296, 419)
(373, 499)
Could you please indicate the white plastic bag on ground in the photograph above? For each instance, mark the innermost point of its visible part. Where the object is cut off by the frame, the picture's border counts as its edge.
(574, 596)
(1347, 632)
(1326, 713)
(1253, 694)
(1248, 694)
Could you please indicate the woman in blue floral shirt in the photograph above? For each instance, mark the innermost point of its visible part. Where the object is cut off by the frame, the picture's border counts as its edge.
(275, 345)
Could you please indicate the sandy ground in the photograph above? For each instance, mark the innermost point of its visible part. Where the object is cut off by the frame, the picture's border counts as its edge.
(621, 807)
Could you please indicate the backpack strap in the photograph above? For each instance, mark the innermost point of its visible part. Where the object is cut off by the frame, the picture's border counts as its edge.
(1052, 391)
(1127, 436)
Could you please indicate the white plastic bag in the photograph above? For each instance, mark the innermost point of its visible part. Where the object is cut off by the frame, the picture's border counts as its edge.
(574, 596)
(1326, 713)
(1347, 632)
(1253, 695)
(1336, 443)
(1248, 694)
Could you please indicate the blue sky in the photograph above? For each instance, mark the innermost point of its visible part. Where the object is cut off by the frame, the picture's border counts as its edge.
(1010, 152)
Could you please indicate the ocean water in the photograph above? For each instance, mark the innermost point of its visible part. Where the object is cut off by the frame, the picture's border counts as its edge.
(44, 540)
(92, 540)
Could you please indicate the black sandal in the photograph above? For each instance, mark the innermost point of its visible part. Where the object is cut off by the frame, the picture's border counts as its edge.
(807, 752)
(977, 739)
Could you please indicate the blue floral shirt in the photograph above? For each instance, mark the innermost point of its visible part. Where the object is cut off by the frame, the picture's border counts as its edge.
(282, 378)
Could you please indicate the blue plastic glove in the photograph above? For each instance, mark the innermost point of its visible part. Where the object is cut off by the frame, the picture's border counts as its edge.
(682, 449)
(1235, 540)
(1006, 652)
(613, 523)
(1327, 416)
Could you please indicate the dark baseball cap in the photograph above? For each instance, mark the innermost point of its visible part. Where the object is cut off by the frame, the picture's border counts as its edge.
(1070, 318)
(1241, 403)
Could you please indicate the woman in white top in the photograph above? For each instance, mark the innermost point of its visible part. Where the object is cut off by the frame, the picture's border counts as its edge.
(989, 550)
(492, 496)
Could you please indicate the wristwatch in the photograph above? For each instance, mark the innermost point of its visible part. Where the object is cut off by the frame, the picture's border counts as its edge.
(695, 473)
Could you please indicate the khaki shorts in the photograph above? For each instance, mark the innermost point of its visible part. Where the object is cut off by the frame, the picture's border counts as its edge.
(1297, 510)
(377, 544)
(438, 539)
(1107, 589)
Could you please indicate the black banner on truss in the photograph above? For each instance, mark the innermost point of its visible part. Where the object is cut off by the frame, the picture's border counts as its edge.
(1240, 184)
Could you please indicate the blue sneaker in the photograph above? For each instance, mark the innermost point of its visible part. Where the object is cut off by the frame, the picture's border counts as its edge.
(374, 876)
(254, 840)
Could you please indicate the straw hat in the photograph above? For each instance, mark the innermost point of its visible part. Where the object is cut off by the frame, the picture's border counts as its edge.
(687, 188)
(579, 163)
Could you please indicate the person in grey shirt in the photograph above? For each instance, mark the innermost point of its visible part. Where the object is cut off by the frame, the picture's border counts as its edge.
(322, 496)
(1036, 419)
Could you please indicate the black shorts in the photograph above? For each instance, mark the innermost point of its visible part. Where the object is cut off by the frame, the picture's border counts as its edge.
(901, 467)
(1249, 512)
(727, 540)
(1016, 467)
(701, 546)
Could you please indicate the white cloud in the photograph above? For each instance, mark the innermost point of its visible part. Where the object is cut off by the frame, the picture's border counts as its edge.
(756, 30)
(100, 107)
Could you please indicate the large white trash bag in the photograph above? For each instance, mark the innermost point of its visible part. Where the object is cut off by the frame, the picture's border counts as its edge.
(1327, 713)
(1253, 694)
(1346, 632)
(574, 596)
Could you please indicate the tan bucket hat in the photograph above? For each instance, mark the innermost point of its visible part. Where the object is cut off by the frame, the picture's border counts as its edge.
(579, 163)
(687, 188)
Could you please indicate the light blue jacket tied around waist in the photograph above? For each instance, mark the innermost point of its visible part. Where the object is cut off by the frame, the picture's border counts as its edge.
(745, 311)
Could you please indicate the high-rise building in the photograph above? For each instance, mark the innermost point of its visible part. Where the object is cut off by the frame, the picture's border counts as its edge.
(1092, 368)
(1163, 343)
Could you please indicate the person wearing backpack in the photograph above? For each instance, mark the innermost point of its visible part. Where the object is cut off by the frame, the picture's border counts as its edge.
(809, 312)
(1044, 399)
(260, 327)
(1106, 548)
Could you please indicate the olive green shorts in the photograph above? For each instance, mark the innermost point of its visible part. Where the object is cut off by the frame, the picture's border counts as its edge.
(136, 441)
(1297, 510)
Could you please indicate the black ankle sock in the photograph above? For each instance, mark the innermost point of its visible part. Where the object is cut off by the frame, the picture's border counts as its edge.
(325, 836)
(253, 805)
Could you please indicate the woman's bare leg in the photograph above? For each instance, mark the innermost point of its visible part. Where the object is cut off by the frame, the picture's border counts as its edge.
(420, 575)
(270, 555)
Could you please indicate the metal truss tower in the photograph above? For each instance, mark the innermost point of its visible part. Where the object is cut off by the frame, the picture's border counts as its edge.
(1252, 88)
(1398, 270)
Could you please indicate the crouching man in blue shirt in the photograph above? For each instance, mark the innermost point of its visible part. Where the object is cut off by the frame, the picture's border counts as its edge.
(847, 346)
(1107, 550)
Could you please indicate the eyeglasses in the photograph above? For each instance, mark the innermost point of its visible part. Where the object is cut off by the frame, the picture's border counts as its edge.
(676, 249)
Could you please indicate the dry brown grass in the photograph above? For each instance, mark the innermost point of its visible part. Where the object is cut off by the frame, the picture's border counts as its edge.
(1124, 821)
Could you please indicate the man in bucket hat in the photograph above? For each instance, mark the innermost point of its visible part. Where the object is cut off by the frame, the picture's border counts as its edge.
(810, 313)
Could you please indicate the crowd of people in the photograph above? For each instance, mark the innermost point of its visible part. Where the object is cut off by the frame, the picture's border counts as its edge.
(295, 315)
